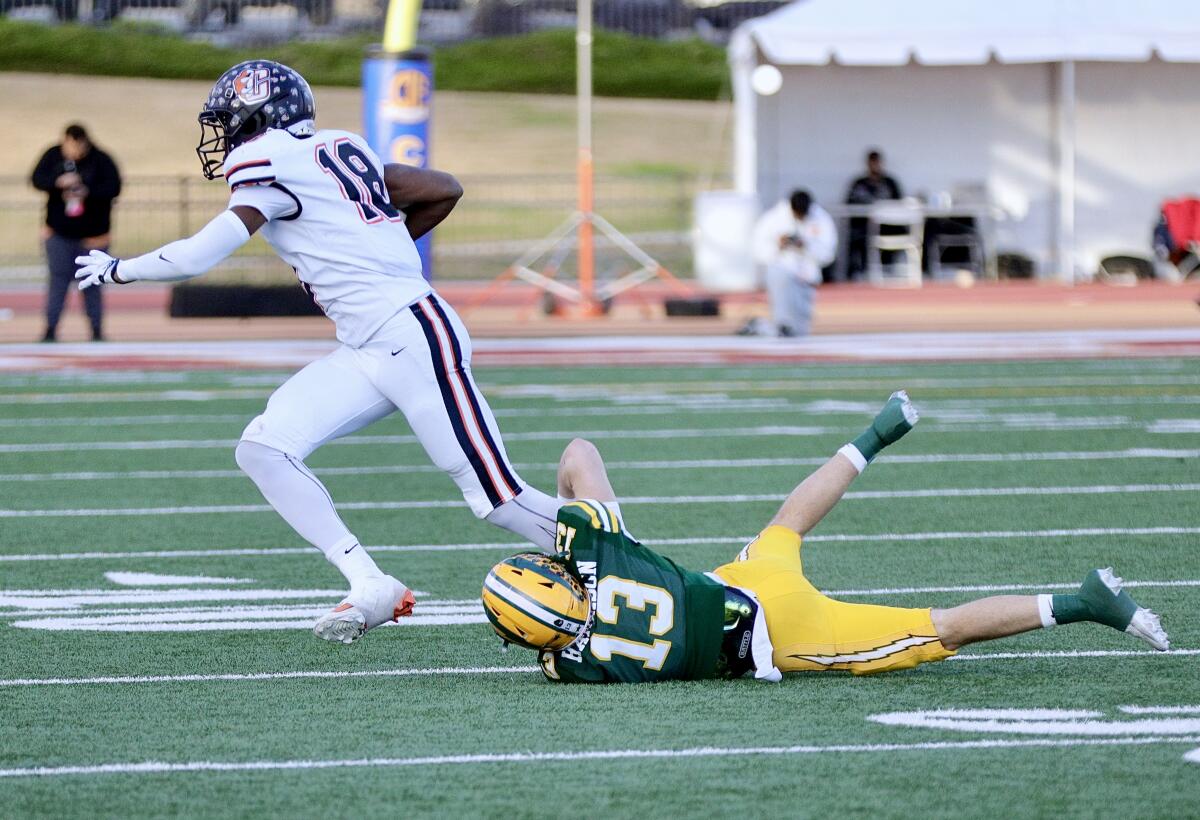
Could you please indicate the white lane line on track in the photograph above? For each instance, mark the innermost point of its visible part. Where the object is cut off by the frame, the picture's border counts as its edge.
(948, 492)
(156, 767)
(122, 680)
(677, 464)
(951, 535)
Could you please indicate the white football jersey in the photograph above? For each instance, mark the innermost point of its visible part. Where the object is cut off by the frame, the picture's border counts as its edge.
(330, 218)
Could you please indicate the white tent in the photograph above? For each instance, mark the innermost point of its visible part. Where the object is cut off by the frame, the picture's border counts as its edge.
(1078, 117)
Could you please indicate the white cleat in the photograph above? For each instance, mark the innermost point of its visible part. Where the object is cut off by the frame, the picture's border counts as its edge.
(370, 603)
(907, 407)
(1145, 625)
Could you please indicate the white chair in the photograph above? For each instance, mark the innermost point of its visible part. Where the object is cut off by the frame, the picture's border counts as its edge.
(901, 213)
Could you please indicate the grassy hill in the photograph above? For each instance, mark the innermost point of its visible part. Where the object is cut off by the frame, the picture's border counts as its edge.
(540, 63)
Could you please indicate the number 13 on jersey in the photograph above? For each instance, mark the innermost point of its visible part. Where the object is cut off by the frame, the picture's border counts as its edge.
(637, 596)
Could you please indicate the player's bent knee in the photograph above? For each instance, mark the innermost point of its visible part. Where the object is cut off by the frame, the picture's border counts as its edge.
(278, 436)
(944, 624)
(577, 455)
(580, 448)
(255, 459)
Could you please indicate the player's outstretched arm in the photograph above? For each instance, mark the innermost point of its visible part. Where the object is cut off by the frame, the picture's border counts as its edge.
(183, 259)
(820, 492)
(426, 196)
(581, 473)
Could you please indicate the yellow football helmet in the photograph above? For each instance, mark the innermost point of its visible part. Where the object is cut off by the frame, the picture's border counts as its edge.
(531, 600)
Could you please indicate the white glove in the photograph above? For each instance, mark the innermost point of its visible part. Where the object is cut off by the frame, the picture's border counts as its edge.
(97, 268)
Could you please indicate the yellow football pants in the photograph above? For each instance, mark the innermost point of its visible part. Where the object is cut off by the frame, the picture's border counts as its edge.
(811, 631)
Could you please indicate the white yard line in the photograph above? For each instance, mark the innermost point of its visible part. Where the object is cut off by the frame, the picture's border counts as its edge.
(678, 464)
(156, 767)
(261, 676)
(1074, 653)
(233, 677)
(1025, 424)
(121, 421)
(605, 389)
(82, 376)
(96, 397)
(849, 593)
(950, 535)
(669, 406)
(947, 492)
(372, 440)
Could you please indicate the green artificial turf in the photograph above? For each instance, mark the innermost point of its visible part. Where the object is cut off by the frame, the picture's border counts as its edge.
(408, 744)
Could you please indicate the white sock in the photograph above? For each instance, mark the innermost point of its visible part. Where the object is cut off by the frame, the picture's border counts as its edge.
(1046, 611)
(855, 455)
(531, 515)
(352, 560)
(302, 500)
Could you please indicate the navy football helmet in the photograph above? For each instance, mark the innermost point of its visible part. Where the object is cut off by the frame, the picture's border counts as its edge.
(247, 100)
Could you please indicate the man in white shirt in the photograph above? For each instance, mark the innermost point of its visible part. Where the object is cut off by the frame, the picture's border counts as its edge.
(345, 222)
(793, 241)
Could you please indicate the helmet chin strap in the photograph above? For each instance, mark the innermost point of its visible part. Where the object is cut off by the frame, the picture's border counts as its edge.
(304, 128)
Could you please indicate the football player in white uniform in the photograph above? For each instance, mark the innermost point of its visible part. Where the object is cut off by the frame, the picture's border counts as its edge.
(346, 224)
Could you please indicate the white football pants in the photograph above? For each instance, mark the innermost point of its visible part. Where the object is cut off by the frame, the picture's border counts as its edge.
(419, 363)
(791, 288)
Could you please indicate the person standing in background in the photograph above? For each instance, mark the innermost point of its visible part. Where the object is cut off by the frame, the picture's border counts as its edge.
(82, 181)
(867, 189)
(793, 241)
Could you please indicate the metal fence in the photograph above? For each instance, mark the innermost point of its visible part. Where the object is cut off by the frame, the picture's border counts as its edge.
(442, 21)
(498, 218)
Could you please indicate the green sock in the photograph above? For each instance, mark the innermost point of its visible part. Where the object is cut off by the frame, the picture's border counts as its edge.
(1096, 602)
(869, 443)
(1069, 609)
(895, 419)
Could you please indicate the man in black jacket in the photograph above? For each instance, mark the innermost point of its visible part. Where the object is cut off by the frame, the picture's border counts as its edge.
(82, 181)
(873, 186)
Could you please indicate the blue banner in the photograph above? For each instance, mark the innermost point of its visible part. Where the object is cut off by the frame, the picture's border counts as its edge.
(397, 97)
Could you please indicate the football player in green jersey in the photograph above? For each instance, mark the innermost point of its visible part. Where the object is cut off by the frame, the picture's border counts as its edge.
(606, 608)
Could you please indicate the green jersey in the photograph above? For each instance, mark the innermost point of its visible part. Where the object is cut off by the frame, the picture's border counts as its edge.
(651, 619)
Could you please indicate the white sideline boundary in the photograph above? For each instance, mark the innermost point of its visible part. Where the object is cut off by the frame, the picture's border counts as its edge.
(677, 464)
(451, 671)
(953, 535)
(156, 767)
(937, 492)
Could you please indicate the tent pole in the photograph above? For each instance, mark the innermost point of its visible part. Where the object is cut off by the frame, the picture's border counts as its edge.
(583, 97)
(745, 115)
(1065, 254)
